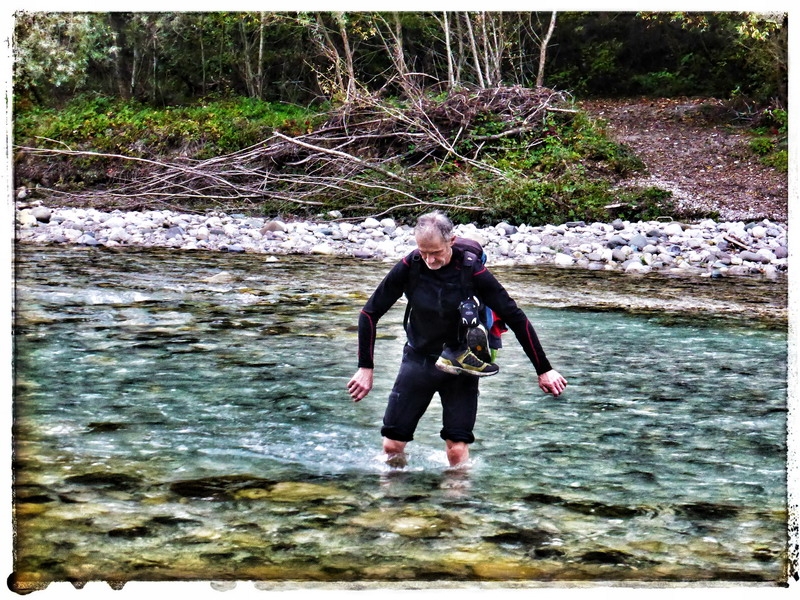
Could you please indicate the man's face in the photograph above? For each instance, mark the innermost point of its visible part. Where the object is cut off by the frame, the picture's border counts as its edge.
(435, 251)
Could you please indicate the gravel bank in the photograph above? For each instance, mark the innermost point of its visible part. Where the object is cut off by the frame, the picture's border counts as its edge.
(706, 248)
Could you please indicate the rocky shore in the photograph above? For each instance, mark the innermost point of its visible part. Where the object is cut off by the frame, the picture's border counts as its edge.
(706, 248)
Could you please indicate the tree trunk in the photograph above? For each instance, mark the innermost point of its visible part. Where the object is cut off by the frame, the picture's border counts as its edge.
(450, 71)
(121, 64)
(248, 68)
(348, 57)
(329, 49)
(495, 43)
(202, 57)
(397, 55)
(461, 52)
(475, 57)
(543, 50)
(262, 26)
(486, 70)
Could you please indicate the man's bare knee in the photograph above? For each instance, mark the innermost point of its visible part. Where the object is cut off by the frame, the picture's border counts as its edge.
(393, 446)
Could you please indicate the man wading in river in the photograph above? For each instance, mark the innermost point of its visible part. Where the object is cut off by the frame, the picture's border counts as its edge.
(435, 357)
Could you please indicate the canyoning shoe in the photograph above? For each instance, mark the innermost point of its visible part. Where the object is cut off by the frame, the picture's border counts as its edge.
(478, 342)
(464, 361)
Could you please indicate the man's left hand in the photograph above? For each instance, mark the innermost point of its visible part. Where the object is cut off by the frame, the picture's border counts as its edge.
(552, 382)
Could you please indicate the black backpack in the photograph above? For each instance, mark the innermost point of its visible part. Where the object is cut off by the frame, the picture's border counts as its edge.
(474, 256)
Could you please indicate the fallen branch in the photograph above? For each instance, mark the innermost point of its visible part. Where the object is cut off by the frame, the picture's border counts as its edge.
(343, 155)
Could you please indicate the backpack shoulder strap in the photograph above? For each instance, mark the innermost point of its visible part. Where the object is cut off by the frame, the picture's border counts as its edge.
(414, 261)
(474, 256)
(470, 262)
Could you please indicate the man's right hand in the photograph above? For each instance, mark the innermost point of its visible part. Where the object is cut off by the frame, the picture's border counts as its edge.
(360, 384)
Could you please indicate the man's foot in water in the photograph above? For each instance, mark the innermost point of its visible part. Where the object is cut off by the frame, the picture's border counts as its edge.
(397, 461)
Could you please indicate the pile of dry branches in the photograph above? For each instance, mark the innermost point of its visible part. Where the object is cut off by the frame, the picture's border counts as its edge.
(368, 154)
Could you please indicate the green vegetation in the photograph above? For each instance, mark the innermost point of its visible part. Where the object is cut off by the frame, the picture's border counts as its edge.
(568, 176)
(201, 130)
(770, 141)
(109, 126)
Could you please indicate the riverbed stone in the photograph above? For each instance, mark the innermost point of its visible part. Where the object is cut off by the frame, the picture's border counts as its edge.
(269, 226)
(87, 239)
(371, 223)
(42, 214)
(324, 249)
(563, 260)
(753, 257)
(26, 218)
(673, 229)
(115, 222)
(616, 241)
(118, 234)
(620, 253)
(638, 242)
(636, 266)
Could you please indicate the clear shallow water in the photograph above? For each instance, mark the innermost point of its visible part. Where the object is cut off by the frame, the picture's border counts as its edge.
(184, 416)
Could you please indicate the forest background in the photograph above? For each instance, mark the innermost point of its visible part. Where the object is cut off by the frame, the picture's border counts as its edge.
(347, 114)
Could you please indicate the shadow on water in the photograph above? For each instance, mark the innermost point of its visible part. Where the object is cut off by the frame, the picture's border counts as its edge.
(182, 415)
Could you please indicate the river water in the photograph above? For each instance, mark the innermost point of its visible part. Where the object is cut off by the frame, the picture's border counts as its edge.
(183, 416)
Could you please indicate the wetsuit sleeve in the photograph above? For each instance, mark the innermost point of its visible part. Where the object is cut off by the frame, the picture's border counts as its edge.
(382, 299)
(495, 295)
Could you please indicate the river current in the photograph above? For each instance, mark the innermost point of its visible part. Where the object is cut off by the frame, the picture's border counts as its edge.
(183, 416)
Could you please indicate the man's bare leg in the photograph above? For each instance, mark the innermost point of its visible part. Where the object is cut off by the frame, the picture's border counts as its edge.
(457, 453)
(395, 453)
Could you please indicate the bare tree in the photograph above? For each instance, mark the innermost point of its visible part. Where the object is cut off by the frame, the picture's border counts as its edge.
(451, 81)
(474, 47)
(543, 50)
(330, 84)
(395, 50)
(350, 90)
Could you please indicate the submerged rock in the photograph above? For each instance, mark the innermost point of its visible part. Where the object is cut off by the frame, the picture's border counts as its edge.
(218, 488)
(407, 522)
(245, 487)
(591, 507)
(171, 521)
(135, 531)
(707, 511)
(606, 557)
(113, 481)
(104, 427)
(291, 491)
(523, 537)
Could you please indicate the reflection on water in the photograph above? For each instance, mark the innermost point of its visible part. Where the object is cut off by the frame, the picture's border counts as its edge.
(184, 416)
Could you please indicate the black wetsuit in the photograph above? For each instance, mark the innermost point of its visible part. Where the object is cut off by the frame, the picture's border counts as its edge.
(434, 321)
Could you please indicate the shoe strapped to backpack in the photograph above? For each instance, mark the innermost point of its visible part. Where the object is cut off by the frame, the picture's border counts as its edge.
(478, 342)
(464, 361)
